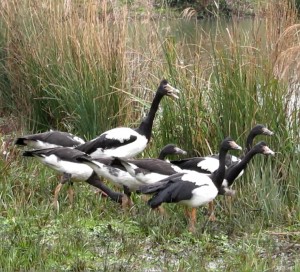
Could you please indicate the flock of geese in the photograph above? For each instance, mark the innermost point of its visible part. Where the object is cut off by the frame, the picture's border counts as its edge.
(190, 181)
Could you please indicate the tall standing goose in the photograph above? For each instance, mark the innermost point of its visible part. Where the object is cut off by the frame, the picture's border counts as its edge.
(124, 141)
(63, 160)
(233, 172)
(113, 169)
(210, 163)
(192, 189)
(49, 139)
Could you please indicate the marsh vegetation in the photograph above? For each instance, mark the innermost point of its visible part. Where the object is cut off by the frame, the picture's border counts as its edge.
(88, 66)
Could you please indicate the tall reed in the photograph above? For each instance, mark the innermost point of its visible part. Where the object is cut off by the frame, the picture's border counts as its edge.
(89, 67)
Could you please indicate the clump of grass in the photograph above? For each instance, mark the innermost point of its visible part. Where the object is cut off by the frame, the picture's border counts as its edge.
(86, 68)
(72, 63)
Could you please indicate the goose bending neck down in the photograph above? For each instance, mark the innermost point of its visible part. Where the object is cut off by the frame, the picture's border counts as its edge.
(63, 160)
(127, 142)
(113, 169)
(191, 188)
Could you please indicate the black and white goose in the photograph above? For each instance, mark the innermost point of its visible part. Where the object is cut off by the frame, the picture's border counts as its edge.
(112, 169)
(255, 131)
(124, 141)
(192, 188)
(210, 163)
(49, 139)
(170, 149)
(233, 172)
(63, 160)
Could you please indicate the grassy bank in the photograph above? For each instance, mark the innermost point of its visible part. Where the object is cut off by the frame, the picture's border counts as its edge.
(85, 68)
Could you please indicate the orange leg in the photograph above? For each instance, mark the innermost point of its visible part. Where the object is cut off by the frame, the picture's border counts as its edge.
(145, 198)
(100, 192)
(192, 217)
(71, 194)
(228, 200)
(126, 202)
(211, 211)
(161, 210)
(56, 192)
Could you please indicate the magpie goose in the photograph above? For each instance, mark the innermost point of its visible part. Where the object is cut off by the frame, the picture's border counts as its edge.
(210, 163)
(127, 142)
(192, 188)
(112, 169)
(49, 139)
(255, 131)
(170, 149)
(233, 172)
(63, 160)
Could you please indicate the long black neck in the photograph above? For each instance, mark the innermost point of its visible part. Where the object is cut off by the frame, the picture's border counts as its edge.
(162, 155)
(219, 175)
(249, 142)
(96, 182)
(145, 127)
(233, 172)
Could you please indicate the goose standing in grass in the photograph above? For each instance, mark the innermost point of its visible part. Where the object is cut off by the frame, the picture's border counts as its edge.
(233, 172)
(49, 139)
(127, 142)
(63, 160)
(112, 169)
(192, 189)
(255, 131)
(210, 163)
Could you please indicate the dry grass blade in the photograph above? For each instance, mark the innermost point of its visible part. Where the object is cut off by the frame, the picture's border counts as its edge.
(188, 13)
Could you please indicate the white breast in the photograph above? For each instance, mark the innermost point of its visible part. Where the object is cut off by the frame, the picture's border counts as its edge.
(203, 194)
(39, 144)
(209, 164)
(150, 177)
(115, 175)
(78, 171)
(127, 151)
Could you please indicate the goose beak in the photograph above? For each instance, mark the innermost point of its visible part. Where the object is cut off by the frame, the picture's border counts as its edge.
(268, 151)
(171, 91)
(180, 151)
(235, 146)
(267, 132)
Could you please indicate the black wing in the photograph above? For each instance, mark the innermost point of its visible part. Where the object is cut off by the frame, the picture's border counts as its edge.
(105, 143)
(63, 153)
(153, 165)
(53, 137)
(160, 185)
(191, 164)
(173, 193)
(229, 160)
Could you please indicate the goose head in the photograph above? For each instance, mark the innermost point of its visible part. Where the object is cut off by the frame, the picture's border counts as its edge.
(229, 144)
(166, 89)
(261, 130)
(262, 148)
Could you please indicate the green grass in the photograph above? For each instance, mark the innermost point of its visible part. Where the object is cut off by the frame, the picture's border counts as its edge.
(92, 69)
(95, 234)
